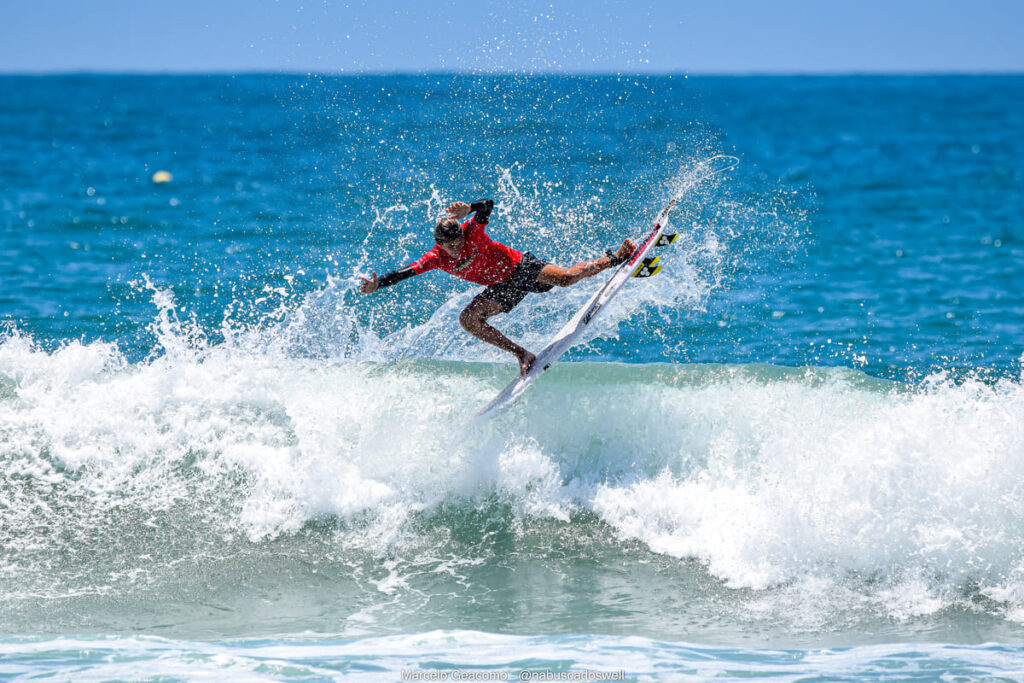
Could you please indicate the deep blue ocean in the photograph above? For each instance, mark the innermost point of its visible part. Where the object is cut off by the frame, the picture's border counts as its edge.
(795, 453)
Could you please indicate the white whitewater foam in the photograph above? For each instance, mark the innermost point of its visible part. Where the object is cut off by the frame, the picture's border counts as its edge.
(908, 498)
(919, 493)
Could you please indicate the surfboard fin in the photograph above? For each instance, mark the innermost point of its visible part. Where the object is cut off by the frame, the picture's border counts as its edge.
(666, 240)
(648, 267)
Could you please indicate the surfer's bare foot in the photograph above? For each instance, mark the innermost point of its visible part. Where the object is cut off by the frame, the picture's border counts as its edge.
(526, 359)
(626, 250)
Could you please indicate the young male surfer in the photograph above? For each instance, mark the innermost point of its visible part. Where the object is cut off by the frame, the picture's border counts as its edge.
(466, 251)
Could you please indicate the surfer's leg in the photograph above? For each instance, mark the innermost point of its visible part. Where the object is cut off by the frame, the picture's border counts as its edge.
(566, 277)
(474, 320)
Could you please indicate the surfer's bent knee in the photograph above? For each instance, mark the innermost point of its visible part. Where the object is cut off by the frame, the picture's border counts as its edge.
(469, 318)
(475, 314)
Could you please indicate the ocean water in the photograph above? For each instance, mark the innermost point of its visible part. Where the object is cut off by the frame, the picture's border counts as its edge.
(796, 453)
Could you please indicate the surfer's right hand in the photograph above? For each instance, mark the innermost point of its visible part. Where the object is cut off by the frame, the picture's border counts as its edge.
(459, 209)
(369, 285)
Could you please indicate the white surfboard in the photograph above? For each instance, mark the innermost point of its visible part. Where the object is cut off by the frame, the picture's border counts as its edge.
(640, 264)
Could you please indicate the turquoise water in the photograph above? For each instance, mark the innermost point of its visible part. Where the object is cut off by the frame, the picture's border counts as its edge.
(794, 453)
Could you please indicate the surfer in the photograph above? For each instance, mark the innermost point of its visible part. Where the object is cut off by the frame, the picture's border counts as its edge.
(466, 251)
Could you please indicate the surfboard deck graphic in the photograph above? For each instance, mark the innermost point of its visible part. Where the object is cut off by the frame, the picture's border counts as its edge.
(638, 265)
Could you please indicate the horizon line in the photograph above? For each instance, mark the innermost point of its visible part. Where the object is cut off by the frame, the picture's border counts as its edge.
(455, 72)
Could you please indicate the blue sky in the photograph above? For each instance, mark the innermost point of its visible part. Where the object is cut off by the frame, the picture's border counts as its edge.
(713, 36)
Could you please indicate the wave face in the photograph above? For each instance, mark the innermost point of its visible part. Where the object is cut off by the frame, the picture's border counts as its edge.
(790, 497)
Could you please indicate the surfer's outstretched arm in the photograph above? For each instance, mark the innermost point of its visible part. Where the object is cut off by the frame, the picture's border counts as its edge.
(373, 283)
(566, 277)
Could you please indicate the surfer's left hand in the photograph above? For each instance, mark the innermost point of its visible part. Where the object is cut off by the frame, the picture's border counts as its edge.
(458, 209)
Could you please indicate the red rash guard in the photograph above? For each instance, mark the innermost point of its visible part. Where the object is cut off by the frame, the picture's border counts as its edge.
(482, 260)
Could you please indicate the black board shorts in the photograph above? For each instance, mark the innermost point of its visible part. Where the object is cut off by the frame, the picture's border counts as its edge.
(523, 280)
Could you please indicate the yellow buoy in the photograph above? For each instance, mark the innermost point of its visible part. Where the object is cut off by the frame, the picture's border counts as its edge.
(162, 177)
